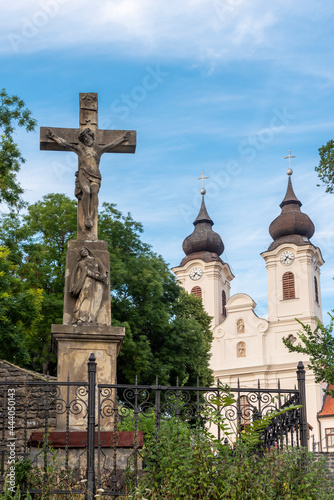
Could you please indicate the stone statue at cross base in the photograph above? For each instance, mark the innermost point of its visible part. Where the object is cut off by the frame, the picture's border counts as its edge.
(88, 280)
(88, 176)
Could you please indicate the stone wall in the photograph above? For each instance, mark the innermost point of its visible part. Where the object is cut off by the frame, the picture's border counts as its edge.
(29, 407)
(330, 459)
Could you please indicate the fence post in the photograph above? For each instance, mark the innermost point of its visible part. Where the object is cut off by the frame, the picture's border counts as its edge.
(302, 401)
(91, 428)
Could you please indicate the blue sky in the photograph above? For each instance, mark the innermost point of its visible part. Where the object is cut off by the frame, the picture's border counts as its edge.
(224, 86)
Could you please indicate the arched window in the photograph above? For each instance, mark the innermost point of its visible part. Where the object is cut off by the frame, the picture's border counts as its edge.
(316, 293)
(223, 304)
(241, 350)
(288, 281)
(197, 291)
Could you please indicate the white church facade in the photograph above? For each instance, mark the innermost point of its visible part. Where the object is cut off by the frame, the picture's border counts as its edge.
(245, 346)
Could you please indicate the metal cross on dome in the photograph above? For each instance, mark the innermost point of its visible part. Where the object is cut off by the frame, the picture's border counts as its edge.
(289, 156)
(202, 177)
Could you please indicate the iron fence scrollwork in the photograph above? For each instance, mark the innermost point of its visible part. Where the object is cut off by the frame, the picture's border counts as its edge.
(114, 416)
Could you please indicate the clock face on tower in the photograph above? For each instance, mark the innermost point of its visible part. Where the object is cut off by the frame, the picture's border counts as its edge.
(195, 273)
(287, 258)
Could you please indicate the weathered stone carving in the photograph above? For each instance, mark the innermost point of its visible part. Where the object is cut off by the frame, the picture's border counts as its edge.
(89, 143)
(241, 350)
(88, 176)
(240, 326)
(88, 280)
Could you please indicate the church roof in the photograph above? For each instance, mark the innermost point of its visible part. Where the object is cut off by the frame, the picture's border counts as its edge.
(203, 215)
(203, 241)
(290, 196)
(292, 225)
(327, 409)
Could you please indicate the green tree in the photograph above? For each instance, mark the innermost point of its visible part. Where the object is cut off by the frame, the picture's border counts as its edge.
(319, 346)
(20, 309)
(189, 341)
(325, 169)
(167, 331)
(38, 243)
(12, 113)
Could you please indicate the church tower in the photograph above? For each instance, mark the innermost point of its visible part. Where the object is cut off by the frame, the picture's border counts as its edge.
(247, 349)
(293, 265)
(202, 272)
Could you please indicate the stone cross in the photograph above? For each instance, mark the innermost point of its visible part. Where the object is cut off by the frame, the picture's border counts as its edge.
(89, 143)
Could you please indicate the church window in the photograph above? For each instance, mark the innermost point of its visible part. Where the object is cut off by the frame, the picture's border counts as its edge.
(241, 350)
(316, 293)
(223, 304)
(288, 286)
(197, 291)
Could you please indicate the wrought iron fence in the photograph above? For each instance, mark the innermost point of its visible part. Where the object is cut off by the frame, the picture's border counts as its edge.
(81, 438)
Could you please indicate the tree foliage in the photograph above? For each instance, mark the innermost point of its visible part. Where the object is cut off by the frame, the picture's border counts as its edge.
(167, 331)
(38, 242)
(20, 312)
(12, 113)
(319, 345)
(325, 169)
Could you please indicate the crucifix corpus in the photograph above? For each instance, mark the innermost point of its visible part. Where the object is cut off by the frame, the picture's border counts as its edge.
(89, 143)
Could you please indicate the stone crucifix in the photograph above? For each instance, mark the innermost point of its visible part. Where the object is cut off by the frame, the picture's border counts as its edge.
(89, 143)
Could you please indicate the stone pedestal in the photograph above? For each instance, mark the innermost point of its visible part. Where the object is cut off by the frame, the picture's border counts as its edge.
(86, 329)
(73, 345)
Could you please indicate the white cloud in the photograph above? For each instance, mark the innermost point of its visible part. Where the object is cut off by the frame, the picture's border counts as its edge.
(206, 33)
(216, 29)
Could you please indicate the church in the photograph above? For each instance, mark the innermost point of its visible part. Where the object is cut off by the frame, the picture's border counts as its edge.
(245, 346)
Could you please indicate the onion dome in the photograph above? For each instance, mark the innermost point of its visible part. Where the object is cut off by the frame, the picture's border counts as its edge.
(203, 242)
(292, 225)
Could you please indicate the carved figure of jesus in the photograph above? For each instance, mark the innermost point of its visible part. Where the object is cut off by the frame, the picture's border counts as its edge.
(88, 176)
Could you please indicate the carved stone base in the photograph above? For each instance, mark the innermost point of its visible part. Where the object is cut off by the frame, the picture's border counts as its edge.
(73, 345)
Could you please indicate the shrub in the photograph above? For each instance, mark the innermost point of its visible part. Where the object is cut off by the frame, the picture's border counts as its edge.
(186, 464)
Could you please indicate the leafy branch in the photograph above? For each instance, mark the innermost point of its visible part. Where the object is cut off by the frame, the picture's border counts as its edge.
(319, 346)
(252, 432)
(12, 113)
